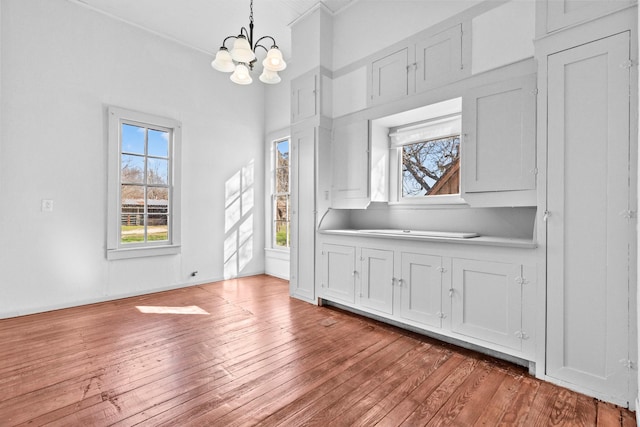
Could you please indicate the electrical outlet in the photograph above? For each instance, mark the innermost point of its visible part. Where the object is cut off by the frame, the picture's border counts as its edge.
(46, 205)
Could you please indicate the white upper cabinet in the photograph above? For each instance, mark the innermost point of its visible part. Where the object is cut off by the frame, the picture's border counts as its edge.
(350, 165)
(436, 59)
(557, 14)
(439, 59)
(304, 100)
(389, 77)
(499, 141)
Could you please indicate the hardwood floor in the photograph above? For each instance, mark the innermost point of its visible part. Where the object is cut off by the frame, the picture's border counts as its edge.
(258, 357)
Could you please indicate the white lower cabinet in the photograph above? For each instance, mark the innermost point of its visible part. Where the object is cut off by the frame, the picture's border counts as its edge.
(338, 273)
(421, 280)
(377, 279)
(486, 302)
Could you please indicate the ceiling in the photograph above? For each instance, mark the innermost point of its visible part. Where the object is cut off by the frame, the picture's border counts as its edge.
(203, 24)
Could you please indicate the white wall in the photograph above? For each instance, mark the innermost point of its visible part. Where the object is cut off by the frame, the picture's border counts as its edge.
(62, 64)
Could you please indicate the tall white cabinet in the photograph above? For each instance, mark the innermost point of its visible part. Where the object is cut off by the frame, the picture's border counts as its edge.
(589, 221)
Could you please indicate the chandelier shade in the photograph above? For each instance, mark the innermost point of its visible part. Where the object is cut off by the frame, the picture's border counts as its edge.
(241, 59)
(241, 75)
(223, 61)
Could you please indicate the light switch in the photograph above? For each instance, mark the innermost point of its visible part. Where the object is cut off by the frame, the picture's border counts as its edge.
(47, 205)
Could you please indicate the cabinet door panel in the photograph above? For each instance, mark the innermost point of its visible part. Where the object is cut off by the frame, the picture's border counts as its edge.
(421, 288)
(350, 165)
(487, 301)
(376, 280)
(499, 138)
(338, 278)
(439, 59)
(389, 79)
(562, 13)
(588, 239)
(303, 215)
(304, 103)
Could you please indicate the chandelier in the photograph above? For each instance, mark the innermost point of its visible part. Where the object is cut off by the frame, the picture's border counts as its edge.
(241, 59)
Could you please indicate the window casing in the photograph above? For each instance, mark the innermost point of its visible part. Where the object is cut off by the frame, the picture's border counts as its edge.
(281, 196)
(143, 181)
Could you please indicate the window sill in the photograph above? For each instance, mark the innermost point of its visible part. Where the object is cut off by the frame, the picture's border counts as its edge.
(113, 254)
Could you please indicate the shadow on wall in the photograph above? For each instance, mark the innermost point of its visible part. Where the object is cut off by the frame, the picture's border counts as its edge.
(238, 221)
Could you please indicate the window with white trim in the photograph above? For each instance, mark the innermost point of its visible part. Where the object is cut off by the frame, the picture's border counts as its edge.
(425, 161)
(281, 196)
(144, 191)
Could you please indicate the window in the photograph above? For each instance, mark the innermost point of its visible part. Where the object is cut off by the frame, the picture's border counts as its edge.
(431, 168)
(281, 197)
(143, 185)
(426, 161)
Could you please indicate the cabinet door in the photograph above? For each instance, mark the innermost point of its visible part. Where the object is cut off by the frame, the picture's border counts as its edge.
(376, 280)
(562, 13)
(439, 59)
(486, 301)
(350, 165)
(499, 136)
(588, 235)
(304, 103)
(303, 215)
(421, 288)
(389, 77)
(338, 272)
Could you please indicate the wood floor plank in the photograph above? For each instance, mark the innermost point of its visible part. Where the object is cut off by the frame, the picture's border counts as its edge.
(259, 357)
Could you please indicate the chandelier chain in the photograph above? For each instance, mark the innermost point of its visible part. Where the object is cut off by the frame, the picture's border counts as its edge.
(251, 9)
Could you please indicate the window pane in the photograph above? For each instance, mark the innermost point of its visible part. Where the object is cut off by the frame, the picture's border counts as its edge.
(431, 168)
(158, 144)
(158, 228)
(157, 171)
(282, 154)
(282, 181)
(132, 195)
(282, 208)
(157, 200)
(132, 169)
(282, 233)
(133, 139)
(132, 228)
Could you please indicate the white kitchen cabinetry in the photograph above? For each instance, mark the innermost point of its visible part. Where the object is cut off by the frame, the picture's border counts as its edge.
(486, 301)
(421, 281)
(377, 280)
(350, 165)
(303, 216)
(438, 59)
(339, 272)
(390, 77)
(499, 143)
(304, 99)
(590, 225)
(434, 60)
(480, 301)
(557, 14)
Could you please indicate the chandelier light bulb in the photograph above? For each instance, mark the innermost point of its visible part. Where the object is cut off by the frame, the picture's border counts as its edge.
(274, 61)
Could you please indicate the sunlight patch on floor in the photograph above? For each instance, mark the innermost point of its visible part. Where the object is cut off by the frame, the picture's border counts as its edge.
(192, 309)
